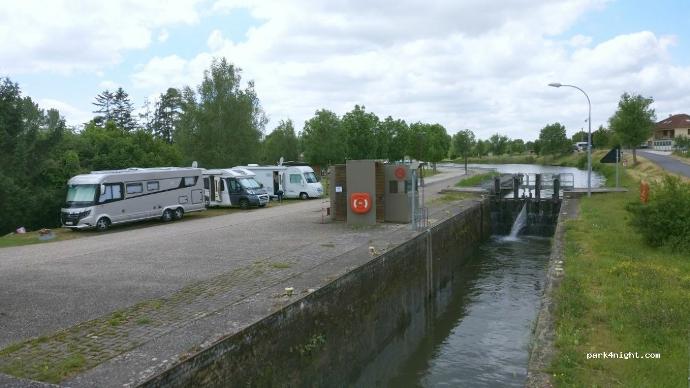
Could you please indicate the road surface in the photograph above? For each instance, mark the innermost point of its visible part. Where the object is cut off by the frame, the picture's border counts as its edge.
(666, 162)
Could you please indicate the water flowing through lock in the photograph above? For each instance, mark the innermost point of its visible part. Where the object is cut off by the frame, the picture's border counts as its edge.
(519, 223)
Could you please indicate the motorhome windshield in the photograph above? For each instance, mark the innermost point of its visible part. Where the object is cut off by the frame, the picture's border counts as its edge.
(249, 183)
(81, 195)
(310, 177)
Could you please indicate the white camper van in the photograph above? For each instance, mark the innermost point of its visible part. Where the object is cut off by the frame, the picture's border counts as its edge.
(271, 177)
(233, 187)
(301, 182)
(103, 198)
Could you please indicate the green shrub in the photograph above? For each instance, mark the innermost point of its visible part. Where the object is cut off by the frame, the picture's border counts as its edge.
(665, 219)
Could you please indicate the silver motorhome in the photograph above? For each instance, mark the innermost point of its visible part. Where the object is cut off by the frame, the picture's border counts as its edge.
(104, 198)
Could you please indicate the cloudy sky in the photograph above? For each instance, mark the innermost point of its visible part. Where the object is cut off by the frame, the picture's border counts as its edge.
(477, 64)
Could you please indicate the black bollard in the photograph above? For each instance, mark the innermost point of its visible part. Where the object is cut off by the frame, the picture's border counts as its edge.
(497, 185)
(556, 187)
(537, 186)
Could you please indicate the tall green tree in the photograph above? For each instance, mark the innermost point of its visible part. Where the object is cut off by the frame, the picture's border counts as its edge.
(481, 148)
(398, 133)
(105, 105)
(323, 139)
(35, 161)
(516, 146)
(498, 144)
(222, 124)
(360, 128)
(553, 140)
(463, 143)
(122, 109)
(166, 115)
(633, 122)
(579, 136)
(603, 137)
(428, 142)
(282, 142)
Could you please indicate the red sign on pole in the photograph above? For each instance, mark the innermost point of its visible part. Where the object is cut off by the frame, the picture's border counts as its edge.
(400, 173)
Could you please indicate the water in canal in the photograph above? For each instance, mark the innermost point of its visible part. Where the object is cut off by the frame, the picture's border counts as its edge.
(480, 325)
(477, 329)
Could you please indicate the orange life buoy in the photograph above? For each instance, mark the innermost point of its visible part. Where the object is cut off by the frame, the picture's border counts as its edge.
(360, 203)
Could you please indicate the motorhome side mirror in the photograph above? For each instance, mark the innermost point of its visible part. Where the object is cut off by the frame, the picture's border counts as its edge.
(261, 185)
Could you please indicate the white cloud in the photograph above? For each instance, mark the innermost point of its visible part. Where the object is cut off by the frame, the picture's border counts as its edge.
(107, 84)
(72, 114)
(68, 35)
(464, 64)
(163, 36)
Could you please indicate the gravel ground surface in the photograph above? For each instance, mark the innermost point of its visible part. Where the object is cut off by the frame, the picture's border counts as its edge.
(104, 295)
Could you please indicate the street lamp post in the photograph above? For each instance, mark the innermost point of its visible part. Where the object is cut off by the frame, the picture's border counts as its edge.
(589, 136)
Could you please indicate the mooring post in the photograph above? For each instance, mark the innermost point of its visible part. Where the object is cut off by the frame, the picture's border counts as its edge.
(537, 186)
(516, 187)
(497, 185)
(556, 187)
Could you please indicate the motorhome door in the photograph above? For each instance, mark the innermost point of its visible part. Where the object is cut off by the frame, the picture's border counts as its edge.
(215, 190)
(234, 191)
(276, 182)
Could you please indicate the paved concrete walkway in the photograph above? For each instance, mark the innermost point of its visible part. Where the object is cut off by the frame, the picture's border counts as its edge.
(667, 162)
(118, 307)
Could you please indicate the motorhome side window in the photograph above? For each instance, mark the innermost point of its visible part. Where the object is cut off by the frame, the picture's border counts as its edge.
(134, 188)
(113, 192)
(190, 181)
(234, 185)
(295, 178)
(152, 186)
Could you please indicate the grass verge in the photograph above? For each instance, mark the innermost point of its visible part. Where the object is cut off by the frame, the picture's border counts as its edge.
(475, 180)
(620, 295)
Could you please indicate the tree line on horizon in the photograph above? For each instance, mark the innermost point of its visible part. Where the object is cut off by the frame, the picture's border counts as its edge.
(219, 124)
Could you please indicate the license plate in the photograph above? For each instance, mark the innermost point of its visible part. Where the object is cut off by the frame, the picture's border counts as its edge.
(68, 222)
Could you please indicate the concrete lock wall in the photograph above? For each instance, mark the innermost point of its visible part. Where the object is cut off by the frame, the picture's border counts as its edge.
(328, 337)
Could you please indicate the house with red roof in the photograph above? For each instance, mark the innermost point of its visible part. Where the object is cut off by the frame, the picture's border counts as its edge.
(668, 129)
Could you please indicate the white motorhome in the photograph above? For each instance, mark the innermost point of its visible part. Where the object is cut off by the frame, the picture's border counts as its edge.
(104, 198)
(301, 182)
(271, 177)
(233, 187)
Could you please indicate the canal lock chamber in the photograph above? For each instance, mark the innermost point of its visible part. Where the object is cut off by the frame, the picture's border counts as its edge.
(452, 304)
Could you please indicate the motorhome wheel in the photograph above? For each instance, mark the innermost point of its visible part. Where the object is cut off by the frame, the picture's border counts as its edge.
(103, 224)
(303, 196)
(167, 215)
(244, 204)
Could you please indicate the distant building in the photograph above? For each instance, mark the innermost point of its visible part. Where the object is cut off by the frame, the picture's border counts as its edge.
(668, 129)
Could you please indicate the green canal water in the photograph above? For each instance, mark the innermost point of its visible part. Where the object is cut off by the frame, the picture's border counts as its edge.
(476, 331)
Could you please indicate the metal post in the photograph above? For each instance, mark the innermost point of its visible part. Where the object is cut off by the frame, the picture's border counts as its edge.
(516, 187)
(537, 186)
(589, 135)
(497, 185)
(413, 217)
(618, 151)
(556, 187)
